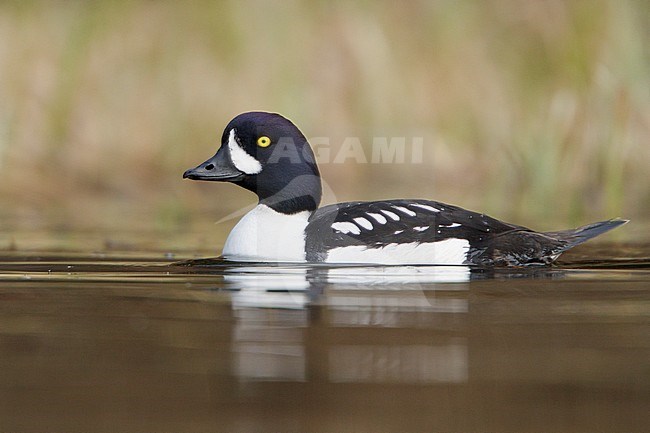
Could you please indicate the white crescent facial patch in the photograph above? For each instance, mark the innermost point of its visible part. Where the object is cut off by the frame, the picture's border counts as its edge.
(242, 160)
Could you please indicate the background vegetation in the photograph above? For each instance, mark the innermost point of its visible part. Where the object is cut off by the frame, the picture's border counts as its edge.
(533, 111)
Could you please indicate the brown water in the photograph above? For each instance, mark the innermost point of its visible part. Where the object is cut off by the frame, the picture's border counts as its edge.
(136, 342)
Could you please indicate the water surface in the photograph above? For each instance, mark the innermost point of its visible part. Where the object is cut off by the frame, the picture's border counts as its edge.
(149, 341)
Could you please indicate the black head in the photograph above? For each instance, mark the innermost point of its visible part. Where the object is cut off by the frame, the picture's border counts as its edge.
(268, 155)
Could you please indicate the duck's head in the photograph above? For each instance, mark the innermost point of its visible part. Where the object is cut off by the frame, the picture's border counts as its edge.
(268, 155)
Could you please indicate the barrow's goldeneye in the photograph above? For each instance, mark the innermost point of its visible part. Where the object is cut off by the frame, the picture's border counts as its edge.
(268, 155)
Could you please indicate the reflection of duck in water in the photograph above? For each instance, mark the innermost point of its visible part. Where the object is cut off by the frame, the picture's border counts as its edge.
(267, 154)
(347, 286)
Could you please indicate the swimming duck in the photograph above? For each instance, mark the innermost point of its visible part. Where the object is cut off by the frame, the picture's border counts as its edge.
(267, 154)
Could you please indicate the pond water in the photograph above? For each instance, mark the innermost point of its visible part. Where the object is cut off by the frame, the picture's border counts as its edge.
(150, 342)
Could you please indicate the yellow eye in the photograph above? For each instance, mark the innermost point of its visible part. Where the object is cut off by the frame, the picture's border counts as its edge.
(264, 141)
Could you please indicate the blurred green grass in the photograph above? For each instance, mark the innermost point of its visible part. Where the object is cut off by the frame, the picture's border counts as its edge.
(536, 112)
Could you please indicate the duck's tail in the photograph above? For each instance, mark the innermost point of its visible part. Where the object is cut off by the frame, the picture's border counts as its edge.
(528, 248)
(571, 238)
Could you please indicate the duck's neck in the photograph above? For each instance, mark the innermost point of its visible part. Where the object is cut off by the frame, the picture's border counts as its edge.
(291, 206)
(301, 193)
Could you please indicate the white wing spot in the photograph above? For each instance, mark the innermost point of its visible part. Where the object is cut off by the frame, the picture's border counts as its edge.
(408, 212)
(363, 223)
(346, 227)
(391, 215)
(452, 225)
(425, 207)
(378, 217)
(398, 232)
(420, 228)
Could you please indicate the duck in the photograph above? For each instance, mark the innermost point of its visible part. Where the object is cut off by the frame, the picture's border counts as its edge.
(268, 155)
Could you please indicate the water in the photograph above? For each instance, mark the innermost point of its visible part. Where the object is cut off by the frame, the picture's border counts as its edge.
(146, 341)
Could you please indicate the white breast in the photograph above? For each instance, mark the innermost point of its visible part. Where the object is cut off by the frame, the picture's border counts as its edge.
(266, 235)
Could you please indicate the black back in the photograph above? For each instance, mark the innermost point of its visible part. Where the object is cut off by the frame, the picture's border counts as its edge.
(445, 222)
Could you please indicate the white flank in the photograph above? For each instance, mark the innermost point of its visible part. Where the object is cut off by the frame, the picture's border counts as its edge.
(346, 227)
(391, 215)
(408, 212)
(377, 217)
(264, 234)
(448, 252)
(370, 276)
(426, 207)
(242, 160)
(420, 229)
(363, 223)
